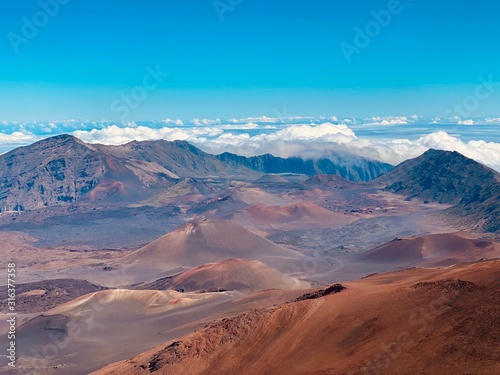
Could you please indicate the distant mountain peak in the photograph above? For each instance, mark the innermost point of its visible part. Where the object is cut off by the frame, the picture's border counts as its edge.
(450, 156)
(62, 138)
(434, 151)
(451, 178)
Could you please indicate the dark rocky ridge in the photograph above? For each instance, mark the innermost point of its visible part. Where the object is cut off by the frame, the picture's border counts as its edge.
(332, 289)
(451, 178)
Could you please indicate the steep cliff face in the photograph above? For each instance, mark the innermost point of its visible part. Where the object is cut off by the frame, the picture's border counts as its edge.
(350, 167)
(60, 169)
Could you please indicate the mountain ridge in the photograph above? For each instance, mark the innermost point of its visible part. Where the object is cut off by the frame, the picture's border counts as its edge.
(449, 177)
(63, 170)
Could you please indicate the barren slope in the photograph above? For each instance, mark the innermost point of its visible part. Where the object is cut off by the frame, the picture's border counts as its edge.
(233, 274)
(329, 180)
(109, 325)
(293, 216)
(433, 250)
(203, 242)
(441, 321)
(113, 325)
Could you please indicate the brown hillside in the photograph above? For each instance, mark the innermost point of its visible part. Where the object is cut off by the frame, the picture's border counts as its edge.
(433, 250)
(233, 274)
(419, 321)
(203, 242)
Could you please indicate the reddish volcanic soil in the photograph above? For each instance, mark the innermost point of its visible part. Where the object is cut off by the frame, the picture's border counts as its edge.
(433, 250)
(417, 321)
(294, 216)
(203, 242)
(233, 274)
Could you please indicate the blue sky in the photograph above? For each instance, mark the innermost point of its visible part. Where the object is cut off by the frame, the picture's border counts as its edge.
(256, 58)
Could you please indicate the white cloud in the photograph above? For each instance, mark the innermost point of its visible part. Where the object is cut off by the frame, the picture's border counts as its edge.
(492, 120)
(169, 121)
(17, 138)
(293, 140)
(262, 119)
(205, 122)
(114, 135)
(466, 122)
(487, 153)
(387, 121)
(324, 139)
(300, 140)
(247, 126)
(310, 132)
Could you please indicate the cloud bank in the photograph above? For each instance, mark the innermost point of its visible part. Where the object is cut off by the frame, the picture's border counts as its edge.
(379, 138)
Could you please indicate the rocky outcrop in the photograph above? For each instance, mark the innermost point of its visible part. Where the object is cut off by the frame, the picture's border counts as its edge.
(332, 289)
